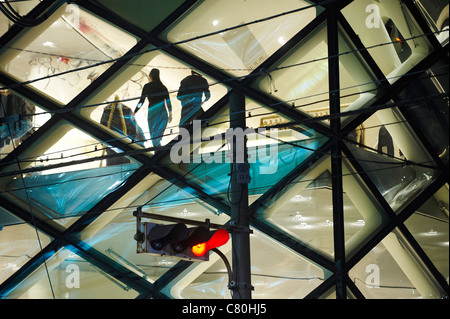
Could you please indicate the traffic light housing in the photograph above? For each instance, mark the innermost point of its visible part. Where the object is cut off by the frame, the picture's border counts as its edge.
(177, 240)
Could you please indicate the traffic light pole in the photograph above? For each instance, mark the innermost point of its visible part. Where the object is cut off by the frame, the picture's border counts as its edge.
(239, 224)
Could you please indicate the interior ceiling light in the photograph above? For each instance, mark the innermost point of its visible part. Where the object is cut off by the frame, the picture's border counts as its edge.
(48, 44)
(327, 223)
(432, 232)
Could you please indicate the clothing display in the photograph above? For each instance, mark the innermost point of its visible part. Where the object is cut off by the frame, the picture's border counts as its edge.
(190, 94)
(120, 118)
(385, 142)
(11, 105)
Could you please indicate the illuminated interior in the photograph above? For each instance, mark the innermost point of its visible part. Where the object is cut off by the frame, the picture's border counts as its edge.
(76, 161)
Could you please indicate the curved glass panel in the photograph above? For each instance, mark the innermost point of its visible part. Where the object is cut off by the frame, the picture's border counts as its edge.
(116, 103)
(304, 209)
(19, 242)
(59, 178)
(64, 54)
(113, 232)
(391, 271)
(272, 155)
(240, 50)
(390, 33)
(429, 226)
(19, 118)
(68, 276)
(301, 78)
(388, 143)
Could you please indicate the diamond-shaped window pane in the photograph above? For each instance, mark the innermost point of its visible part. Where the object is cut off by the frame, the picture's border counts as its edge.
(390, 270)
(304, 209)
(391, 34)
(113, 233)
(116, 102)
(19, 242)
(64, 54)
(66, 179)
(386, 144)
(20, 119)
(240, 50)
(65, 275)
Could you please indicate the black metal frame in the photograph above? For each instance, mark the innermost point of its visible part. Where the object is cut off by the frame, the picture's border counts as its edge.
(339, 266)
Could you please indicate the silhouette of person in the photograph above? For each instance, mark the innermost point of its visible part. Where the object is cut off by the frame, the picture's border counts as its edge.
(159, 106)
(190, 94)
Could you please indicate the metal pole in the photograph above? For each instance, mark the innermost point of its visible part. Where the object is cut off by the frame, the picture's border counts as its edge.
(336, 158)
(240, 232)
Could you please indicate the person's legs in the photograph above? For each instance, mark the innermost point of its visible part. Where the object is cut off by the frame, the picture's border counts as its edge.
(157, 123)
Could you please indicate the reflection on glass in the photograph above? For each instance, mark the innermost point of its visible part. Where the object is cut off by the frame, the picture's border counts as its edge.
(60, 179)
(306, 212)
(391, 271)
(76, 45)
(436, 15)
(304, 209)
(429, 226)
(390, 33)
(127, 89)
(240, 50)
(19, 242)
(19, 118)
(387, 143)
(301, 79)
(70, 277)
(21, 7)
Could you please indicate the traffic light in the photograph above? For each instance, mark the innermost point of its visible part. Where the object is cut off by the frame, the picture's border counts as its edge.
(179, 241)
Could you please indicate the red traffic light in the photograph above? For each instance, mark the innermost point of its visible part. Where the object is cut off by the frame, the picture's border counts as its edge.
(219, 238)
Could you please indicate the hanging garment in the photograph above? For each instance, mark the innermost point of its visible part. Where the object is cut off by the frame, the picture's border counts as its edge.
(13, 105)
(120, 118)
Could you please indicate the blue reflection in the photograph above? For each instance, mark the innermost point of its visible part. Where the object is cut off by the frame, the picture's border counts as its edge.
(266, 167)
(66, 194)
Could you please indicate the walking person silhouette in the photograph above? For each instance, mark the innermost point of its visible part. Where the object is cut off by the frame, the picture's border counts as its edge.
(190, 94)
(159, 106)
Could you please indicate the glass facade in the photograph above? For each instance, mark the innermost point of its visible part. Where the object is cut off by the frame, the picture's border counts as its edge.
(108, 107)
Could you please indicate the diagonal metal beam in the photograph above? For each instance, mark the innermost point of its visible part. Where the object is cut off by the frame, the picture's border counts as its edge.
(234, 84)
(336, 150)
(37, 11)
(395, 221)
(293, 243)
(28, 269)
(391, 91)
(289, 178)
(418, 250)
